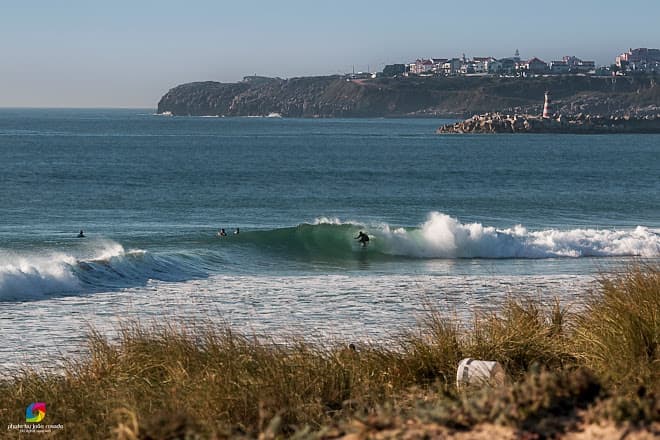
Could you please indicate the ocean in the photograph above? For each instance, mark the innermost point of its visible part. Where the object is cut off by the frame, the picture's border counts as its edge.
(457, 223)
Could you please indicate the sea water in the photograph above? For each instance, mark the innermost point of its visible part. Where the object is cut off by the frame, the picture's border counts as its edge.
(457, 223)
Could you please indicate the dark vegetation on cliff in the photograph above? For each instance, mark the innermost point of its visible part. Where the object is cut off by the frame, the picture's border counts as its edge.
(335, 96)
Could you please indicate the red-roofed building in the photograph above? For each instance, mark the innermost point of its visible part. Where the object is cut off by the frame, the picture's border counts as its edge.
(535, 66)
(421, 66)
(640, 59)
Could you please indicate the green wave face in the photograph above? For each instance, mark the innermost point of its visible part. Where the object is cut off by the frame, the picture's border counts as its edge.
(313, 241)
(445, 237)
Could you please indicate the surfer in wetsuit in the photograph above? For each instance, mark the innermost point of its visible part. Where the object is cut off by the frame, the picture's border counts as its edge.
(222, 233)
(362, 238)
(81, 234)
(237, 231)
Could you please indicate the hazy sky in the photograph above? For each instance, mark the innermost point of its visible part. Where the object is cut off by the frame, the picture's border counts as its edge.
(86, 53)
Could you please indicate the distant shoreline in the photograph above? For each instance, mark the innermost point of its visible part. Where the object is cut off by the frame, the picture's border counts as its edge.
(413, 97)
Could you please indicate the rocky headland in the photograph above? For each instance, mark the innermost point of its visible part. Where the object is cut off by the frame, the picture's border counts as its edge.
(577, 124)
(449, 97)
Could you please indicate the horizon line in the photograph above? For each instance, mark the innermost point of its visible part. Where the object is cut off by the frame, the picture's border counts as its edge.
(28, 107)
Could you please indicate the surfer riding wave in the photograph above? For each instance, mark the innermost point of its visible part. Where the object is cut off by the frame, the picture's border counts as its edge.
(363, 238)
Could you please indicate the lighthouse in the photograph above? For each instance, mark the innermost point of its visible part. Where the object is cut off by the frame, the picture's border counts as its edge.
(546, 106)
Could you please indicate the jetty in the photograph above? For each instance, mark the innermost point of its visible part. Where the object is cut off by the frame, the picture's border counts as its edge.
(554, 123)
(577, 124)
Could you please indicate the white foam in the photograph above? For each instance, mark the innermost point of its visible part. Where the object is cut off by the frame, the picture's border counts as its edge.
(346, 307)
(30, 277)
(24, 277)
(442, 236)
(105, 250)
(328, 221)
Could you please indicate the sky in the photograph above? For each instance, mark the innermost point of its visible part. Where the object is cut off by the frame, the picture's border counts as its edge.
(87, 53)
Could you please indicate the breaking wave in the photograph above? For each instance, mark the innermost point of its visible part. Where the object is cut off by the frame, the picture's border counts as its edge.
(442, 236)
(106, 266)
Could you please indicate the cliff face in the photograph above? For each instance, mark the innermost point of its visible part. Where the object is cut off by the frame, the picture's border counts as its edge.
(335, 96)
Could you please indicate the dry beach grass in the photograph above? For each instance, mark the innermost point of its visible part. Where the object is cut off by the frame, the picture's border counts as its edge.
(206, 381)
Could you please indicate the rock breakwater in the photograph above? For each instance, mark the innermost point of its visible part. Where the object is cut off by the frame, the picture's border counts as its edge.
(578, 124)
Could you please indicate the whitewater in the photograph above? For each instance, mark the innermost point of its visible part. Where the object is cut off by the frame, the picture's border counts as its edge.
(455, 223)
(104, 264)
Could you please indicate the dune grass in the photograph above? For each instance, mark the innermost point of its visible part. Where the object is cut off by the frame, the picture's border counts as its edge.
(619, 333)
(173, 381)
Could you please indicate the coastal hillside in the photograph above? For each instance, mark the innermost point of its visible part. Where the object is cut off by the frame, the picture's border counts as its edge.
(338, 96)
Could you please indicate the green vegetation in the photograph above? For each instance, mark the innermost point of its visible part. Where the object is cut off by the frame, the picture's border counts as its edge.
(600, 362)
(619, 335)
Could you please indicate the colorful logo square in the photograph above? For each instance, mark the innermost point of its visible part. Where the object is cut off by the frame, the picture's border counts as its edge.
(35, 412)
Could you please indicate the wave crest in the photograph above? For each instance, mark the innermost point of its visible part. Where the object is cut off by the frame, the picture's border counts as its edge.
(104, 265)
(442, 236)
(26, 278)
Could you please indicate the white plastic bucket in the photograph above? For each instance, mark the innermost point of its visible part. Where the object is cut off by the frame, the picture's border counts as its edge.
(475, 372)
